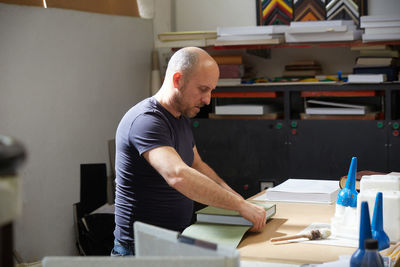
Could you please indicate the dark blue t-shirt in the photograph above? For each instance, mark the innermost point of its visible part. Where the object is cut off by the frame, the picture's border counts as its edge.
(142, 194)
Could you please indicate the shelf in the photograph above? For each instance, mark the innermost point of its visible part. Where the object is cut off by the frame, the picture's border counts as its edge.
(244, 94)
(338, 93)
(303, 45)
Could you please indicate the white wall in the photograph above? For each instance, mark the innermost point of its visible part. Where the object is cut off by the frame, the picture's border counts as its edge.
(194, 15)
(66, 79)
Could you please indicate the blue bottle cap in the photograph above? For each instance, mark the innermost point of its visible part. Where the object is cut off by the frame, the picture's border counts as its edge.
(348, 195)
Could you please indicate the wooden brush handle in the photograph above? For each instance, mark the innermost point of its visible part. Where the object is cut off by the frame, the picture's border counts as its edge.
(288, 237)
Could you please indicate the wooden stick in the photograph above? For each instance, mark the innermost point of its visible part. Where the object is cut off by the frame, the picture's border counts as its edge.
(288, 237)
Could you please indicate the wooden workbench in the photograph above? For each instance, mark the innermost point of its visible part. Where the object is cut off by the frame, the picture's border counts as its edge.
(290, 219)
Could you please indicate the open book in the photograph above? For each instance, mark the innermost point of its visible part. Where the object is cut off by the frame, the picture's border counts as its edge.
(223, 216)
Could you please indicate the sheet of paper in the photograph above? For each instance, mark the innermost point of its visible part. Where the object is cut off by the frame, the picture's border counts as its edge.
(303, 190)
(307, 186)
(227, 235)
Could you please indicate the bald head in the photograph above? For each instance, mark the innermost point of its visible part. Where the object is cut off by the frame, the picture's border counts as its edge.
(190, 77)
(187, 59)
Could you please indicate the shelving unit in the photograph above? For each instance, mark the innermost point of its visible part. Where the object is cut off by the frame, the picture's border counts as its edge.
(247, 152)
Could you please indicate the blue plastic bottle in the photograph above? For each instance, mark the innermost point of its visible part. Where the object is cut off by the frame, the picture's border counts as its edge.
(365, 233)
(371, 258)
(377, 224)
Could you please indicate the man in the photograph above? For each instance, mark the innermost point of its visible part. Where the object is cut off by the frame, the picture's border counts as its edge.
(158, 169)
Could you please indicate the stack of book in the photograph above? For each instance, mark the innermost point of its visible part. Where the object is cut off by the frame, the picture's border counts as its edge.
(301, 69)
(231, 69)
(380, 28)
(378, 60)
(215, 215)
(187, 38)
(250, 35)
(322, 31)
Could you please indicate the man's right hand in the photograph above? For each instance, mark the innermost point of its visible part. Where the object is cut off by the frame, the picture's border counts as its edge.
(254, 213)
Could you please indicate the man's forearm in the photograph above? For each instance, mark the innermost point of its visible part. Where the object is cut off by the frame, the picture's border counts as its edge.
(203, 168)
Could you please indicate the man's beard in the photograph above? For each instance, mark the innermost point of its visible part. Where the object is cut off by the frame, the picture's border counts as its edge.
(180, 105)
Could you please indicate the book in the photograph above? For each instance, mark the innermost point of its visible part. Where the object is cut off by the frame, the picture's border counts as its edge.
(379, 21)
(229, 59)
(335, 104)
(323, 36)
(334, 111)
(334, 108)
(303, 63)
(184, 43)
(321, 23)
(379, 53)
(300, 73)
(379, 18)
(370, 47)
(359, 175)
(229, 81)
(243, 109)
(381, 37)
(188, 35)
(245, 30)
(368, 116)
(375, 61)
(366, 78)
(386, 30)
(215, 215)
(320, 29)
(253, 40)
(267, 116)
(391, 72)
(302, 67)
(231, 70)
(304, 190)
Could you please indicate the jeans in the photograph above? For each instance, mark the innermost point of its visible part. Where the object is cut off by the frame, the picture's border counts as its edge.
(120, 250)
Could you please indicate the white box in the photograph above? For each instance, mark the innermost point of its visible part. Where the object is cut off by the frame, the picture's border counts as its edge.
(391, 211)
(379, 183)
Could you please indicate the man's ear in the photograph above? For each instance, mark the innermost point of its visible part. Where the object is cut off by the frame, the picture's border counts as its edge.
(177, 79)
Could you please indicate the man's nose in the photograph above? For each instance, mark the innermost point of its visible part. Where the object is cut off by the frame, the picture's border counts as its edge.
(206, 98)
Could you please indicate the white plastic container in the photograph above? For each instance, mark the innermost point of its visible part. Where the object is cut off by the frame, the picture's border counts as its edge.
(379, 183)
(389, 185)
(343, 224)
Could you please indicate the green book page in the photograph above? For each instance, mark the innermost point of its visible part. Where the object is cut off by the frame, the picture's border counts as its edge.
(218, 211)
(221, 234)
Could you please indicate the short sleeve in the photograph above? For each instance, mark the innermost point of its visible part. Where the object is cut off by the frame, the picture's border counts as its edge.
(149, 131)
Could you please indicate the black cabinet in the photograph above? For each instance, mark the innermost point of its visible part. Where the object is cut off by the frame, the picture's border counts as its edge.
(246, 152)
(243, 152)
(323, 149)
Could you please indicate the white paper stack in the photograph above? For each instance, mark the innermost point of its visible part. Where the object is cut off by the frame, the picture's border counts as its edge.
(250, 35)
(322, 31)
(380, 28)
(366, 78)
(304, 190)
